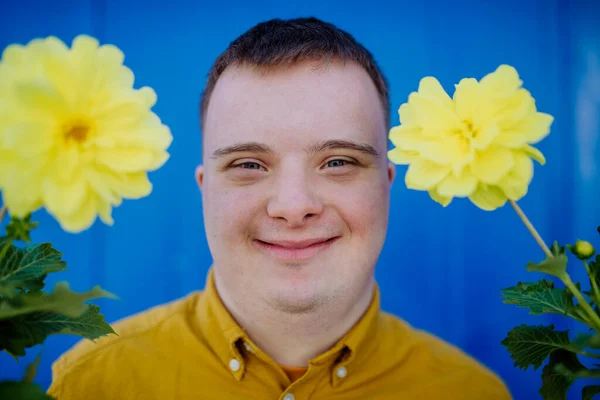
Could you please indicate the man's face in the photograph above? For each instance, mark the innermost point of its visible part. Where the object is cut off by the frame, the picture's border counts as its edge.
(295, 185)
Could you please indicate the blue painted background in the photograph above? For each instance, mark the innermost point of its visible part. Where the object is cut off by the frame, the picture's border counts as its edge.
(441, 269)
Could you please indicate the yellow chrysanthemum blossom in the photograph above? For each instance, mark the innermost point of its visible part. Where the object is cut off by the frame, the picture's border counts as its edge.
(75, 137)
(476, 144)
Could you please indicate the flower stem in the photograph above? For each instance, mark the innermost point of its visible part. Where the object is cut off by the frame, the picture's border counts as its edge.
(593, 280)
(531, 228)
(584, 353)
(5, 248)
(2, 212)
(594, 318)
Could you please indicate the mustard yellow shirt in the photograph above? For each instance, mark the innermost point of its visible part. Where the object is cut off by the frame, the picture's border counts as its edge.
(192, 348)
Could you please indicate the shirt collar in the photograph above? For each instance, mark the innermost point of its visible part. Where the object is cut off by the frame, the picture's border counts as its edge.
(227, 338)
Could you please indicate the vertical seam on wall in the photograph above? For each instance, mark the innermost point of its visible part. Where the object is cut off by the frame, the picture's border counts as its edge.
(98, 247)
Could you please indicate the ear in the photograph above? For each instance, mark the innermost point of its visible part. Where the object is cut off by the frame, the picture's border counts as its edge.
(391, 172)
(199, 176)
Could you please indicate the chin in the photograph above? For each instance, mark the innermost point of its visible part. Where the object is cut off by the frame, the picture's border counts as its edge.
(296, 305)
(298, 295)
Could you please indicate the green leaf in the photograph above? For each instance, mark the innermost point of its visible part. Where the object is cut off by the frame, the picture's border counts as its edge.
(555, 266)
(26, 268)
(554, 383)
(31, 370)
(28, 330)
(530, 345)
(20, 228)
(589, 392)
(540, 297)
(62, 301)
(22, 391)
(556, 249)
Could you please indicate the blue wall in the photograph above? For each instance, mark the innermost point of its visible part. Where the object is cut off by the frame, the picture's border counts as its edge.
(441, 269)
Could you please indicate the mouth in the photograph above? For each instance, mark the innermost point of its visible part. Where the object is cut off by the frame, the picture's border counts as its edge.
(294, 251)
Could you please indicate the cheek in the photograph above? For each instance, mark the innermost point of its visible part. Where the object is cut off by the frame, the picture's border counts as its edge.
(228, 213)
(365, 209)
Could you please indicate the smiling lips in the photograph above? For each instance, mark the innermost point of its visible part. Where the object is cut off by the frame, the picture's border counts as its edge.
(289, 251)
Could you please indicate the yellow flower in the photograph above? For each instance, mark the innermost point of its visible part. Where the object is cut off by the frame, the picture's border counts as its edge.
(476, 144)
(75, 137)
(583, 249)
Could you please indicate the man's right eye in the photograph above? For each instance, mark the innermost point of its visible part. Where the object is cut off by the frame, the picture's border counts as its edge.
(248, 165)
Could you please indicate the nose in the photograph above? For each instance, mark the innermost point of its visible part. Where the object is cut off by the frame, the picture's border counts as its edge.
(293, 201)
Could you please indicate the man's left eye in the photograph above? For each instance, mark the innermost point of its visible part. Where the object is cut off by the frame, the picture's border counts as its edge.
(337, 163)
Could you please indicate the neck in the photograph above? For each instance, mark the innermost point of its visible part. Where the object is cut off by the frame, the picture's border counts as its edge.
(294, 339)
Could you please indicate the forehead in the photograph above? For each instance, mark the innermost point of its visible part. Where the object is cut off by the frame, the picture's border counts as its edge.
(307, 100)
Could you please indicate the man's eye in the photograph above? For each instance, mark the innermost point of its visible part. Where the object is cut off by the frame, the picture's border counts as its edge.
(338, 163)
(248, 165)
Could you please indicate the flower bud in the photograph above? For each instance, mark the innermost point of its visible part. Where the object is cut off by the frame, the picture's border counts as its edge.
(583, 249)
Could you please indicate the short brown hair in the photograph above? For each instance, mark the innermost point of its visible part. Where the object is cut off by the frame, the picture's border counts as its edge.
(283, 42)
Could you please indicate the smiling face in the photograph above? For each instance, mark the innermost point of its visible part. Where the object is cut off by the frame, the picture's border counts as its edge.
(295, 185)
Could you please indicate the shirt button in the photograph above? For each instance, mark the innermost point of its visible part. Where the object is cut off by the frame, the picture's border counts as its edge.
(341, 372)
(289, 396)
(234, 365)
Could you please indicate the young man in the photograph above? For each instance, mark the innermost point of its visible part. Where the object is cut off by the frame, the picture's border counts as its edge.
(295, 186)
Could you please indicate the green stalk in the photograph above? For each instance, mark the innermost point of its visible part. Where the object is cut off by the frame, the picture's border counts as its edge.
(531, 229)
(594, 318)
(593, 280)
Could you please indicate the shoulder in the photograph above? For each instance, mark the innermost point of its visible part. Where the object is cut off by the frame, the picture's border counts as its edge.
(90, 363)
(444, 367)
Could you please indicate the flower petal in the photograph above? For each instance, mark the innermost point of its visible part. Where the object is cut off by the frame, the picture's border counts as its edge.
(493, 164)
(102, 186)
(503, 82)
(467, 98)
(406, 138)
(531, 129)
(41, 100)
(443, 151)
(401, 157)
(124, 110)
(64, 198)
(433, 116)
(80, 220)
(458, 186)
(406, 113)
(515, 184)
(424, 175)
(104, 211)
(22, 194)
(444, 201)
(485, 136)
(130, 159)
(509, 111)
(112, 70)
(488, 197)
(151, 133)
(537, 127)
(431, 88)
(535, 154)
(127, 185)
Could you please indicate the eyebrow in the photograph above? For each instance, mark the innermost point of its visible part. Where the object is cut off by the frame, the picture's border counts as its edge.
(249, 147)
(255, 147)
(342, 144)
